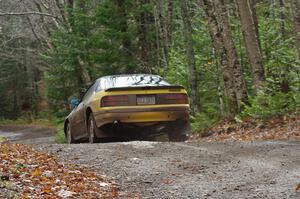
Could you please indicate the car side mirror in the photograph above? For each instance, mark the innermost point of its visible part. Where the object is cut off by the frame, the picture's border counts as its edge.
(74, 102)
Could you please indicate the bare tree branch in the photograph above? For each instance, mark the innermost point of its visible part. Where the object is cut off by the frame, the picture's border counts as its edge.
(27, 13)
(33, 30)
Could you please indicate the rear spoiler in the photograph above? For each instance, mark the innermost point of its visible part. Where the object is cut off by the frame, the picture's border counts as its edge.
(131, 88)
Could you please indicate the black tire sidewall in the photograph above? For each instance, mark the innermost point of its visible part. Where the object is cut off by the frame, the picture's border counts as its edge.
(69, 136)
(91, 121)
(178, 131)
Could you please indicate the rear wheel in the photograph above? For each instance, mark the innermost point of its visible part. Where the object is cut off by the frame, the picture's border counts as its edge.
(69, 135)
(92, 129)
(178, 131)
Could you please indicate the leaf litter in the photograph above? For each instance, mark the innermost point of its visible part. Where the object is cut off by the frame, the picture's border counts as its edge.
(28, 173)
(278, 128)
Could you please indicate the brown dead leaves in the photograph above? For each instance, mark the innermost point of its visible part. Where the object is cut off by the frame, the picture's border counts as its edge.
(298, 187)
(39, 175)
(280, 128)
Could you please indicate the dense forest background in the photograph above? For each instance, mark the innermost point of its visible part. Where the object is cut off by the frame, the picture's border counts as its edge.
(236, 58)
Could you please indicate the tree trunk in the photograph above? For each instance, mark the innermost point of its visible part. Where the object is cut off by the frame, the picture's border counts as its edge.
(161, 34)
(83, 77)
(255, 21)
(284, 80)
(70, 16)
(282, 17)
(170, 23)
(123, 25)
(62, 12)
(251, 42)
(218, 43)
(235, 71)
(143, 41)
(164, 30)
(189, 45)
(126, 43)
(296, 16)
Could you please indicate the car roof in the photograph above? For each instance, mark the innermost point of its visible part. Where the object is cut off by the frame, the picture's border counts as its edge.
(125, 75)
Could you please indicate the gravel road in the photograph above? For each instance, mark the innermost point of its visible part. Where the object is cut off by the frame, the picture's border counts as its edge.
(192, 170)
(28, 134)
(181, 170)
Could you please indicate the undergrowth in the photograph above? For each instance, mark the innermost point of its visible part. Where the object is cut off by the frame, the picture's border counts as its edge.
(60, 134)
(265, 106)
(261, 108)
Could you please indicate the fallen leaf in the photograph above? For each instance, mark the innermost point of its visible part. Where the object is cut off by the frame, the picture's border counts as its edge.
(115, 192)
(298, 187)
(47, 189)
(37, 173)
(40, 175)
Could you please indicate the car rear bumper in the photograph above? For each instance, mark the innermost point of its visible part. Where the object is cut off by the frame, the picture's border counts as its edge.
(142, 114)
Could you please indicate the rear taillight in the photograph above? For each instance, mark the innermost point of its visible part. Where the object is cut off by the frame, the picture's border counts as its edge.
(175, 98)
(115, 100)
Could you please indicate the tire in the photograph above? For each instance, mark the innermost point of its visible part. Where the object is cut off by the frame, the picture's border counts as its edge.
(69, 136)
(91, 127)
(178, 131)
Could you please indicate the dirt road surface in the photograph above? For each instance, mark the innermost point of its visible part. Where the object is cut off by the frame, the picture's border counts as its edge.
(28, 134)
(182, 170)
(192, 170)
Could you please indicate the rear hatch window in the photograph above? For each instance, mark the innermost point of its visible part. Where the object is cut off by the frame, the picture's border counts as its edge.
(131, 81)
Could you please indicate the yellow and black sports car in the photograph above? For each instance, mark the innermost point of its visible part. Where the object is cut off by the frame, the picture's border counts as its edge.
(115, 106)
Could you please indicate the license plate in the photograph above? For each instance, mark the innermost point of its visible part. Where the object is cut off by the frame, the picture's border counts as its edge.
(145, 100)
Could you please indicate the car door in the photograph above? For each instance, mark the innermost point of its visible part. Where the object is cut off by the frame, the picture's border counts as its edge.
(76, 122)
(79, 120)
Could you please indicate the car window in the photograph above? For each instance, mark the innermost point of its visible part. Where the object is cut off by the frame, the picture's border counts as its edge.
(89, 92)
(99, 86)
(131, 81)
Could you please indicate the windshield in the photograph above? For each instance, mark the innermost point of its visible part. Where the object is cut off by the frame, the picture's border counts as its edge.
(131, 81)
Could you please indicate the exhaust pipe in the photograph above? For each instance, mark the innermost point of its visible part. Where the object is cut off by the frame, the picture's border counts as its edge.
(116, 123)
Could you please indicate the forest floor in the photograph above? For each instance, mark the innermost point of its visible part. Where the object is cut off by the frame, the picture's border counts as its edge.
(278, 128)
(226, 164)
